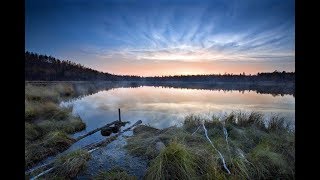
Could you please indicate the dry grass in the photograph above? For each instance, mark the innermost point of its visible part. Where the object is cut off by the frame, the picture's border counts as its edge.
(115, 174)
(173, 162)
(72, 164)
(54, 92)
(47, 125)
(50, 144)
(255, 149)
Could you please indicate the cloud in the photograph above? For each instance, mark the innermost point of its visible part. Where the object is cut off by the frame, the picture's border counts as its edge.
(178, 33)
(163, 31)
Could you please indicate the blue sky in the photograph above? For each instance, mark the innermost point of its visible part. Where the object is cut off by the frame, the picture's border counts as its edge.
(144, 37)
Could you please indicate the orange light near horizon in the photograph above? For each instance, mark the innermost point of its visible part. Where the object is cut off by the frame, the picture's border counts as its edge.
(187, 60)
(165, 68)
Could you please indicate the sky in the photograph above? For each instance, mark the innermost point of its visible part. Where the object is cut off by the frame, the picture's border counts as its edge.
(165, 37)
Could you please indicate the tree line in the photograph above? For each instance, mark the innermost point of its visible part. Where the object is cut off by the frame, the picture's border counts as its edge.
(275, 76)
(47, 68)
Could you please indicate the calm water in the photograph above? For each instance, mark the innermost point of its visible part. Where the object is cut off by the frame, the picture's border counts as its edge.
(164, 107)
(161, 108)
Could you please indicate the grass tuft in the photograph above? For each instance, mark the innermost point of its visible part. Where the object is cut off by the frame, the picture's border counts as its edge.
(114, 174)
(251, 119)
(57, 140)
(173, 162)
(50, 144)
(70, 125)
(252, 150)
(276, 123)
(32, 131)
(70, 165)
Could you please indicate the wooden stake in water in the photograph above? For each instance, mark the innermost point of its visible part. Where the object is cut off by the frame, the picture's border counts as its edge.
(119, 115)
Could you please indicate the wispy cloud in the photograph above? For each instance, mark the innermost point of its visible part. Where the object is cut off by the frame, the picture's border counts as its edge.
(163, 31)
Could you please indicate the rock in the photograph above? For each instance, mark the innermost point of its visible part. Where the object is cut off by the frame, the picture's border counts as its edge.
(159, 146)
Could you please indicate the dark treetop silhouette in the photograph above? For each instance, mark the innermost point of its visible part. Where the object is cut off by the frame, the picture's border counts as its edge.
(47, 68)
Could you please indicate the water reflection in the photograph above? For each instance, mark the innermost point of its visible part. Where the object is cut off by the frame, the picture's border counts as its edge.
(164, 107)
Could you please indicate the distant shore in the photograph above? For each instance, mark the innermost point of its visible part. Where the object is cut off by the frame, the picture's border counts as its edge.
(263, 87)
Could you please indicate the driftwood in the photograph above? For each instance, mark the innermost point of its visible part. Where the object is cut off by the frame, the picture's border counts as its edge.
(110, 139)
(95, 130)
(90, 148)
(223, 161)
(106, 131)
(116, 124)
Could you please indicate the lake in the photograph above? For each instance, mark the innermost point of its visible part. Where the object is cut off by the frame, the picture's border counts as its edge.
(162, 107)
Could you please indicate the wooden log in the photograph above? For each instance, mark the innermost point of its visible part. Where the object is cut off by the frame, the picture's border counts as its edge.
(108, 140)
(113, 129)
(106, 131)
(96, 130)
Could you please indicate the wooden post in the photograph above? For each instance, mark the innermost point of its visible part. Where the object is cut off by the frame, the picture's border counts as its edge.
(119, 115)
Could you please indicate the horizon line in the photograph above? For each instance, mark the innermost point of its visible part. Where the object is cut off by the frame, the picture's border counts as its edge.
(141, 76)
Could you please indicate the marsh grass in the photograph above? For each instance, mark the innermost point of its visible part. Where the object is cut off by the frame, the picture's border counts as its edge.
(143, 135)
(53, 92)
(114, 174)
(32, 131)
(256, 149)
(50, 144)
(70, 125)
(45, 110)
(192, 121)
(173, 162)
(47, 125)
(48, 138)
(70, 165)
(57, 140)
(143, 143)
(276, 123)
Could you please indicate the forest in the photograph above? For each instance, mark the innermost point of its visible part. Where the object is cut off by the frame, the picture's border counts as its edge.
(47, 68)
